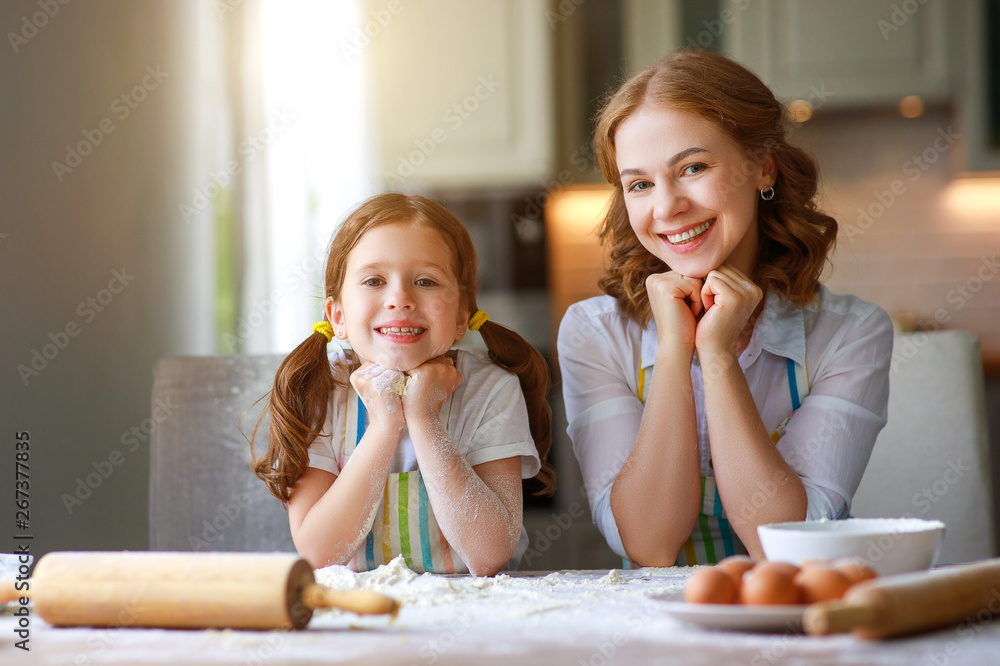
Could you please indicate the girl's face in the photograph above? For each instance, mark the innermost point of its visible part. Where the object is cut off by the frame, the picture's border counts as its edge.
(690, 191)
(400, 304)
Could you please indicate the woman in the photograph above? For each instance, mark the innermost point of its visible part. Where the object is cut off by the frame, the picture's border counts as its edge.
(717, 386)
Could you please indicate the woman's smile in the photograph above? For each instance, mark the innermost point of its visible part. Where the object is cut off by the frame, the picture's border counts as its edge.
(690, 191)
(688, 235)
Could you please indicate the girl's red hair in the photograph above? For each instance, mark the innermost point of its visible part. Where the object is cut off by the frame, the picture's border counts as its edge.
(304, 382)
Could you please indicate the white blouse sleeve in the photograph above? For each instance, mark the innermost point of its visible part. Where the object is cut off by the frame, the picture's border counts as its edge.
(602, 409)
(829, 440)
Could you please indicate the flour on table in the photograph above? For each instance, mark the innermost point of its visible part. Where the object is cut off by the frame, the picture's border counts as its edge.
(508, 595)
(613, 578)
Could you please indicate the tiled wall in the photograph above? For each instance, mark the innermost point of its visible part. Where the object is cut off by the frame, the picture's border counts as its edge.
(913, 239)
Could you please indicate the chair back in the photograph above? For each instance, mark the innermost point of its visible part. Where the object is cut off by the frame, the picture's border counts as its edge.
(203, 494)
(932, 460)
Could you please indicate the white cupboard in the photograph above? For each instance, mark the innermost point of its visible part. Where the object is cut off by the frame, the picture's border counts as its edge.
(844, 53)
(463, 92)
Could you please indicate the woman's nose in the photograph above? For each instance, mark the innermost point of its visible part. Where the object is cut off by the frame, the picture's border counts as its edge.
(669, 200)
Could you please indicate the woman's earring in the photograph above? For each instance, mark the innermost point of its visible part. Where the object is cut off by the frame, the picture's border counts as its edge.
(767, 193)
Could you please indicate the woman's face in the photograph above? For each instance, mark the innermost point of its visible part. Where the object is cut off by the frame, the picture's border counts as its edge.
(400, 304)
(690, 191)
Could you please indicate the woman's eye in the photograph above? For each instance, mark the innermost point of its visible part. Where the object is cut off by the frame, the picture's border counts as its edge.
(693, 169)
(639, 186)
(425, 282)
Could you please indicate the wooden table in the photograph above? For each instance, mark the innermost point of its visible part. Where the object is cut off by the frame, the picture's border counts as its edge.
(590, 618)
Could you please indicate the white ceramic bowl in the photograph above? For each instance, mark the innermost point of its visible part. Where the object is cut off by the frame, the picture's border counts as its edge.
(889, 545)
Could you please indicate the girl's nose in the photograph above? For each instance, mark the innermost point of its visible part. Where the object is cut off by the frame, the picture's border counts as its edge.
(399, 296)
(669, 201)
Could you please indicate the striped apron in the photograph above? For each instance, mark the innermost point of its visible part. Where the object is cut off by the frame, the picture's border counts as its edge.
(713, 537)
(403, 523)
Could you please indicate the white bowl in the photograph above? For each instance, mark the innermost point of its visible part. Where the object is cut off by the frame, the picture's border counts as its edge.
(889, 545)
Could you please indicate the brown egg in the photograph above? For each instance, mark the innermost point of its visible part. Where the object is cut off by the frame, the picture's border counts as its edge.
(786, 568)
(856, 571)
(816, 564)
(736, 566)
(711, 586)
(769, 586)
(821, 584)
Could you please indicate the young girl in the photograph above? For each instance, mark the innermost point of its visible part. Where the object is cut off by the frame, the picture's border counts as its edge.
(401, 445)
(717, 386)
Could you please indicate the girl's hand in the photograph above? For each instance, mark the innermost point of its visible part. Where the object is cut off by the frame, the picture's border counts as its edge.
(431, 383)
(676, 302)
(376, 385)
(729, 299)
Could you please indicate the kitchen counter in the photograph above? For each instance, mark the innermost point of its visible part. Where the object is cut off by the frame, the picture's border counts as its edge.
(569, 617)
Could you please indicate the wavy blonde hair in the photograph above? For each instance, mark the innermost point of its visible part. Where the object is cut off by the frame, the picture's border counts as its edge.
(795, 237)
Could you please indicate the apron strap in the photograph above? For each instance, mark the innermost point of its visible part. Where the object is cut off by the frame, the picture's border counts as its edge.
(713, 537)
(404, 523)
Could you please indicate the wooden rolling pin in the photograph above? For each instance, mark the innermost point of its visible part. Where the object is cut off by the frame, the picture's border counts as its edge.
(187, 591)
(909, 603)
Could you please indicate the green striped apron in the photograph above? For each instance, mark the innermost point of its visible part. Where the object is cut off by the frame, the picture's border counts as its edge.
(713, 537)
(404, 523)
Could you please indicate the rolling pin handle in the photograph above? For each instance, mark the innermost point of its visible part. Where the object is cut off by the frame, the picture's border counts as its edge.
(362, 602)
(836, 617)
(9, 591)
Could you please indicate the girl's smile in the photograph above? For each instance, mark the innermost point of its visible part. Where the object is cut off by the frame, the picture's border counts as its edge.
(400, 304)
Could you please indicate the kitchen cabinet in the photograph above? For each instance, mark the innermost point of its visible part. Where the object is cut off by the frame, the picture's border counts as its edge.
(979, 76)
(463, 91)
(848, 53)
(845, 53)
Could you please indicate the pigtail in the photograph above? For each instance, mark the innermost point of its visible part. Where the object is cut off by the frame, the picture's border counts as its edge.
(297, 406)
(510, 350)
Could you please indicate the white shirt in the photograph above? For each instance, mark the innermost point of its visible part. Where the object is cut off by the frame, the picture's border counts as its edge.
(844, 342)
(486, 417)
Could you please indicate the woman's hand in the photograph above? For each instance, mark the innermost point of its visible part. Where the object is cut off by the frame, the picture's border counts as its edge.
(729, 298)
(676, 302)
(431, 383)
(376, 386)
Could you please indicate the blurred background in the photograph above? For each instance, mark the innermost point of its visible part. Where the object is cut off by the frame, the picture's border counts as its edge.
(171, 172)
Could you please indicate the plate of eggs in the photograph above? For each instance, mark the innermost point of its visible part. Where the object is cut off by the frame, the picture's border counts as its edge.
(766, 596)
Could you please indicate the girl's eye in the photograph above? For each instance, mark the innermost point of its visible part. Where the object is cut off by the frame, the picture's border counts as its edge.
(693, 169)
(639, 186)
(373, 282)
(425, 282)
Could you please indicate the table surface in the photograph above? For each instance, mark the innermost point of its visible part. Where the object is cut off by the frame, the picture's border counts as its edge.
(589, 618)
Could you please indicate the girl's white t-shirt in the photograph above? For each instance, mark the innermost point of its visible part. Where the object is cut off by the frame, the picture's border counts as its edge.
(486, 417)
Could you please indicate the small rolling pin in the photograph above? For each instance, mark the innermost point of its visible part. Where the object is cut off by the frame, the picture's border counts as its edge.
(909, 603)
(186, 591)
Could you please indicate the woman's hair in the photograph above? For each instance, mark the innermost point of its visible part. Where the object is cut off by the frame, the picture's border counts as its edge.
(795, 237)
(304, 381)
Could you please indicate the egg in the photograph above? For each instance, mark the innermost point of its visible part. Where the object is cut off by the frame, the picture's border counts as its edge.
(768, 585)
(711, 586)
(856, 571)
(736, 566)
(816, 564)
(787, 568)
(821, 584)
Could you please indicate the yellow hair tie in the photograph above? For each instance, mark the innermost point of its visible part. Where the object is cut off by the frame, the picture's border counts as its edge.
(324, 327)
(477, 320)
